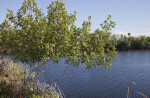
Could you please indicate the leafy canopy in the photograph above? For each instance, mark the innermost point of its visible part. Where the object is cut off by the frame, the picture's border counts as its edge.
(34, 37)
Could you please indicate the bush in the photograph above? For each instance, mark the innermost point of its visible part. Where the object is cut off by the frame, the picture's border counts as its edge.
(12, 78)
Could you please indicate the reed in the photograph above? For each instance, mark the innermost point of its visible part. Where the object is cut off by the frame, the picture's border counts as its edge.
(129, 95)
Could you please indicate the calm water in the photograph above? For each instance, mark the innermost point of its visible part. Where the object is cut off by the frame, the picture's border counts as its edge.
(130, 67)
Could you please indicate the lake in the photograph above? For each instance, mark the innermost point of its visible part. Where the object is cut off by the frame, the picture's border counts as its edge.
(130, 67)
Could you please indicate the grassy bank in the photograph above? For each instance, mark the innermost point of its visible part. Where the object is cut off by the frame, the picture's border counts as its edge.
(12, 82)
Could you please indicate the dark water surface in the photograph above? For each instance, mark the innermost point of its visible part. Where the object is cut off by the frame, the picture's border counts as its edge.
(130, 67)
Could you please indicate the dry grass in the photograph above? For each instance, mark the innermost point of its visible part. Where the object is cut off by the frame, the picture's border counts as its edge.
(8, 79)
(12, 78)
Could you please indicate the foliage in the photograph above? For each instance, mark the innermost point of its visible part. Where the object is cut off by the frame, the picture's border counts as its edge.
(33, 37)
(4, 90)
(12, 78)
(122, 42)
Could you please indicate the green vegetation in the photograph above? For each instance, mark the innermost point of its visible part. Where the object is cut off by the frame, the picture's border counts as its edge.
(129, 42)
(35, 39)
(12, 78)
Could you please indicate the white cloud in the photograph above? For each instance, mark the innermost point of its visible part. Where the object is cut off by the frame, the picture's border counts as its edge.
(146, 33)
(120, 32)
(132, 33)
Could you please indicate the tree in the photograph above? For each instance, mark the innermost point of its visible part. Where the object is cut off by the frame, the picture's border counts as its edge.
(129, 34)
(35, 39)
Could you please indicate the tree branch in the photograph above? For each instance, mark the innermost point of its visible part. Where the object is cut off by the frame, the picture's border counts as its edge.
(36, 69)
(56, 80)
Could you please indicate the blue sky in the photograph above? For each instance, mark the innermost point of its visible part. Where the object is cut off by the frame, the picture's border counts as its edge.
(130, 15)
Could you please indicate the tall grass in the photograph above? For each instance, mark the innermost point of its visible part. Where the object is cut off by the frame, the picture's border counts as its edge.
(12, 78)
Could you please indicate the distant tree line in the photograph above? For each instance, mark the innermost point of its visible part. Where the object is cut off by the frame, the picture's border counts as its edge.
(123, 42)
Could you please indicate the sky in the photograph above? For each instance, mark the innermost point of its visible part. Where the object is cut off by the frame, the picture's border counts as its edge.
(130, 15)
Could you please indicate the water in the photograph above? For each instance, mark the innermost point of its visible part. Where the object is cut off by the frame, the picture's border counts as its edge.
(130, 67)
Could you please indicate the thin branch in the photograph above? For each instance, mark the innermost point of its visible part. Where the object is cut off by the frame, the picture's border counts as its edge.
(36, 69)
(60, 76)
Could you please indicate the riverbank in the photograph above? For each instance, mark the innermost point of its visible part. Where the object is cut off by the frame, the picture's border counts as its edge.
(12, 79)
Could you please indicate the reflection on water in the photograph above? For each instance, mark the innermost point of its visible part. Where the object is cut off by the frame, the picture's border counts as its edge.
(130, 67)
